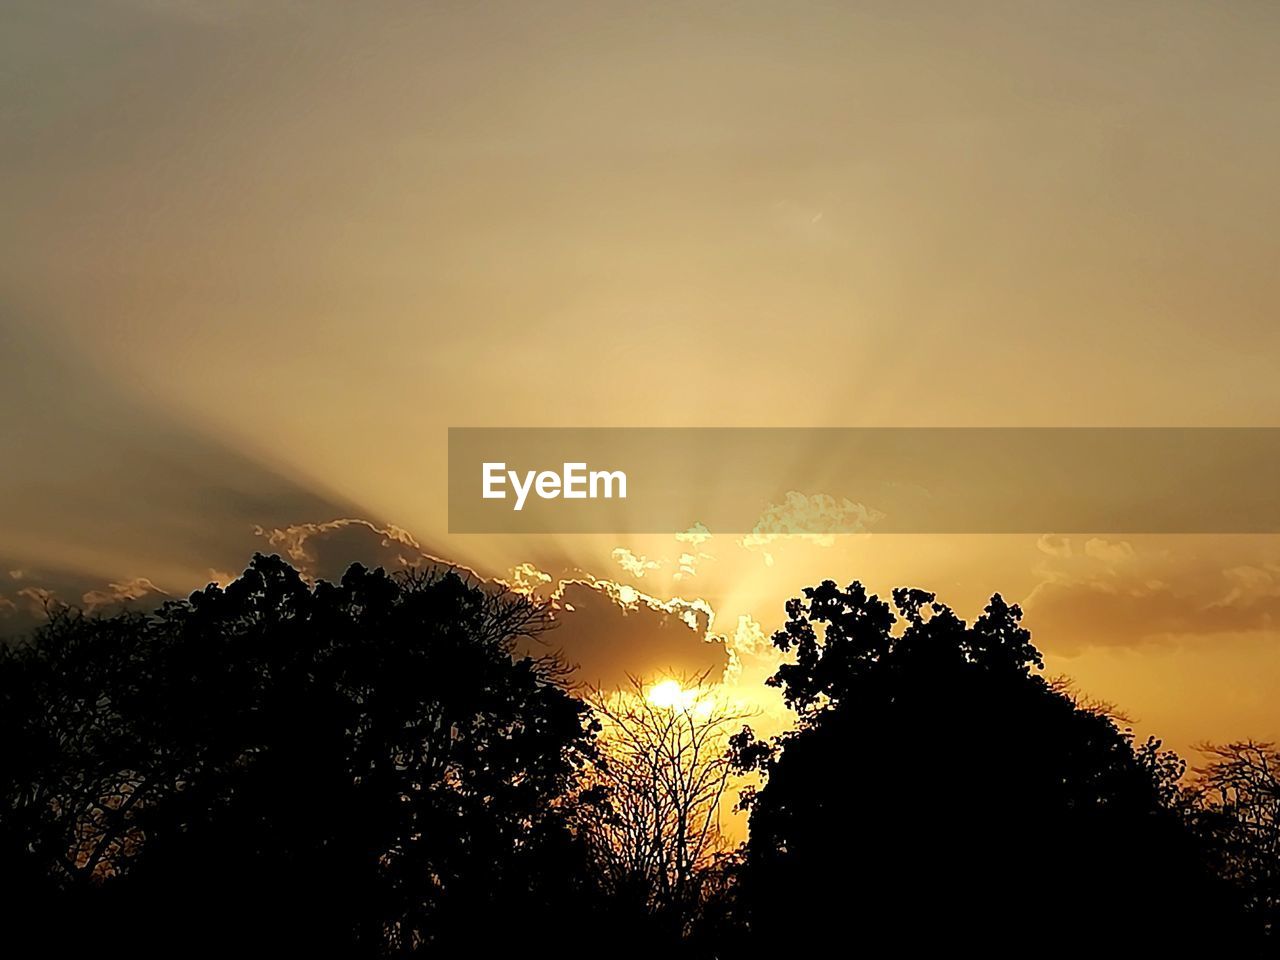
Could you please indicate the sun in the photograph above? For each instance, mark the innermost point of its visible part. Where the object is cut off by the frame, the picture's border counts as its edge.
(668, 694)
(671, 695)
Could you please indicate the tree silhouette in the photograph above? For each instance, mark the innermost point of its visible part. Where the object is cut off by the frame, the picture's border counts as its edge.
(1234, 802)
(663, 769)
(365, 768)
(378, 767)
(937, 790)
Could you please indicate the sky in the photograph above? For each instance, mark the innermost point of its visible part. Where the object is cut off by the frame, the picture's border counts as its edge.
(257, 257)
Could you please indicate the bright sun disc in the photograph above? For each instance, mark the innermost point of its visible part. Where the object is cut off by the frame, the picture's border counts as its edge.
(667, 694)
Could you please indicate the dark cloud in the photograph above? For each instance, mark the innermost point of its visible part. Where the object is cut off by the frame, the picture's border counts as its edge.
(1113, 593)
(122, 592)
(605, 629)
(609, 632)
(326, 549)
(26, 599)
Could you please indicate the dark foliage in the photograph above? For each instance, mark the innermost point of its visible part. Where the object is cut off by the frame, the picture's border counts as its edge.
(377, 768)
(1233, 802)
(279, 769)
(938, 792)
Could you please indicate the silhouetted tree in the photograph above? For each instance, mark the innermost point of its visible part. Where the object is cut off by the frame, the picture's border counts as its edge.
(663, 769)
(1234, 802)
(376, 767)
(937, 791)
(278, 768)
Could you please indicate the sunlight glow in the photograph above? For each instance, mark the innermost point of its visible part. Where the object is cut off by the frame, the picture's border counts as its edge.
(670, 695)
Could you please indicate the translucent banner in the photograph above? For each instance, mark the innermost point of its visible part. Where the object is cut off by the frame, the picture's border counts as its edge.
(860, 480)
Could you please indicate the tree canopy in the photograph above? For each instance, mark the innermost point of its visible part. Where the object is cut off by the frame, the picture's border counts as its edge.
(367, 766)
(395, 765)
(938, 789)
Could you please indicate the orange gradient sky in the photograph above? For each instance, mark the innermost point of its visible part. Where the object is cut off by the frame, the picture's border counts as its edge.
(256, 257)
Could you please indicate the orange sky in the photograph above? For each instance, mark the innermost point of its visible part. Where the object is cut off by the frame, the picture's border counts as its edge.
(256, 257)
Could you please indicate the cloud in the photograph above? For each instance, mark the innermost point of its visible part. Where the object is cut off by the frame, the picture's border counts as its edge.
(610, 630)
(635, 565)
(1054, 545)
(688, 562)
(687, 565)
(320, 550)
(26, 609)
(527, 579)
(1109, 553)
(1250, 586)
(816, 517)
(752, 655)
(695, 536)
(1118, 594)
(325, 550)
(221, 577)
(35, 598)
(118, 593)
(683, 566)
(38, 598)
(606, 628)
